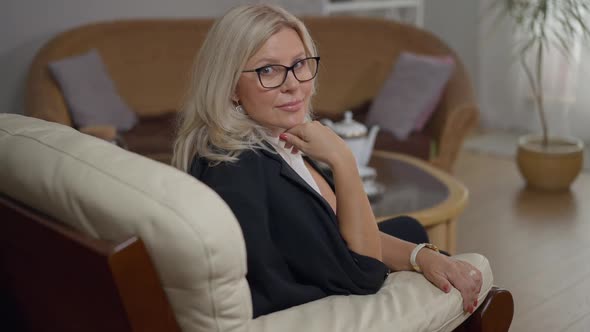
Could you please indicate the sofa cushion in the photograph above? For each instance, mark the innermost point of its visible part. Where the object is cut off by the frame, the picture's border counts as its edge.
(192, 237)
(90, 93)
(410, 94)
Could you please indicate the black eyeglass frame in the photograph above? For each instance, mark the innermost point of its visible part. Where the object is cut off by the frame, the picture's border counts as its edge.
(288, 69)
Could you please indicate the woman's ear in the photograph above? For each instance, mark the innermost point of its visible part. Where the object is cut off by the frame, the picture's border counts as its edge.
(234, 98)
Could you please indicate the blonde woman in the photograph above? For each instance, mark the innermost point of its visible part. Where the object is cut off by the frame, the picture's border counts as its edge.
(246, 131)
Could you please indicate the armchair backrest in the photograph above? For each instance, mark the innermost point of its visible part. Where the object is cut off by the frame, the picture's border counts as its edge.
(104, 192)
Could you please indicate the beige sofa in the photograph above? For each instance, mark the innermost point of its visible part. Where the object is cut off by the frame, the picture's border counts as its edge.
(149, 61)
(101, 191)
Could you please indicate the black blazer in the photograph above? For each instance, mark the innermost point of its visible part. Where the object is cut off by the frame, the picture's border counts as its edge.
(294, 248)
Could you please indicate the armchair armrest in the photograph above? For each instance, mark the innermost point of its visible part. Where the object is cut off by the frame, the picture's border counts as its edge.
(406, 302)
(456, 114)
(452, 135)
(43, 98)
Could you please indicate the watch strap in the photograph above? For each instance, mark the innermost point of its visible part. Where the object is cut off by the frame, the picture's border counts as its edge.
(415, 252)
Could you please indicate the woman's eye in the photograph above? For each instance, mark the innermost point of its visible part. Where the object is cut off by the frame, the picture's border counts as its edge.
(266, 70)
(300, 64)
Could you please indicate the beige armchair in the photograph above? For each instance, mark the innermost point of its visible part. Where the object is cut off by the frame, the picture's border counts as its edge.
(149, 61)
(95, 238)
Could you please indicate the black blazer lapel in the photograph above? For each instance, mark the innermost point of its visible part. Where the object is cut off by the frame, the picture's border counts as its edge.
(291, 175)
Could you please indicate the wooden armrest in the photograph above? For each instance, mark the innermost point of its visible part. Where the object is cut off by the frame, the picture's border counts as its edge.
(493, 315)
(456, 114)
(43, 97)
(105, 132)
(453, 133)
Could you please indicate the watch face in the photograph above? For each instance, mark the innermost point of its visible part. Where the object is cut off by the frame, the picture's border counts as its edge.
(432, 247)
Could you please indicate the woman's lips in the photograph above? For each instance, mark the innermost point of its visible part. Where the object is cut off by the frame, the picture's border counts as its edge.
(293, 106)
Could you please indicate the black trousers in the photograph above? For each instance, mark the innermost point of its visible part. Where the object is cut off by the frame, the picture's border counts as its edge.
(405, 228)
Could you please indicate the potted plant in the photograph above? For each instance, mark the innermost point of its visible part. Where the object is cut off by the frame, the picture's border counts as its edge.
(545, 161)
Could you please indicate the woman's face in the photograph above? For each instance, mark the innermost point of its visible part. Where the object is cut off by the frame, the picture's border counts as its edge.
(285, 106)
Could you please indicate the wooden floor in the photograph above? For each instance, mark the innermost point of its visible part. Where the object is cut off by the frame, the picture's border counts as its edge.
(538, 244)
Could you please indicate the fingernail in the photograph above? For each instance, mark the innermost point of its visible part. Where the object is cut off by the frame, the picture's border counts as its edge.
(283, 136)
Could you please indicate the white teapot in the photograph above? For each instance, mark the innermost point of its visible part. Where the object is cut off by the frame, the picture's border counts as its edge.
(357, 137)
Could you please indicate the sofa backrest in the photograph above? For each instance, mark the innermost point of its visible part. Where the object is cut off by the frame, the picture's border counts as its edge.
(109, 193)
(150, 61)
(358, 55)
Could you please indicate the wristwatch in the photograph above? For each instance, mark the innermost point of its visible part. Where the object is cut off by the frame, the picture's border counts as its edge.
(415, 253)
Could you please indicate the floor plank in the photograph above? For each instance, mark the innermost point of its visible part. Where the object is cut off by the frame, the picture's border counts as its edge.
(538, 243)
(582, 324)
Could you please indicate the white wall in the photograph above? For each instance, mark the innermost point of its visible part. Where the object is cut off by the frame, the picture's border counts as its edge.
(505, 97)
(456, 22)
(499, 72)
(26, 24)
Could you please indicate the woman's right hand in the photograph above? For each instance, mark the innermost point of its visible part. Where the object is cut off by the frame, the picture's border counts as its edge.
(444, 272)
(355, 217)
(319, 142)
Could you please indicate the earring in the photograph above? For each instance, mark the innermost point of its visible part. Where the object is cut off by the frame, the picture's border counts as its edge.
(240, 109)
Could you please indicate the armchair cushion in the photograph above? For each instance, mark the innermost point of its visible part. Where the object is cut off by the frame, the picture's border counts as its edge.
(407, 302)
(192, 237)
(90, 93)
(410, 94)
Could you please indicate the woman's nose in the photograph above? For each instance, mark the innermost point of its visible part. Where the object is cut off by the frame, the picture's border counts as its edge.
(290, 82)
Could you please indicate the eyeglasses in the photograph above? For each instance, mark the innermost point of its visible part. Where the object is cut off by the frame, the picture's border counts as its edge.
(273, 76)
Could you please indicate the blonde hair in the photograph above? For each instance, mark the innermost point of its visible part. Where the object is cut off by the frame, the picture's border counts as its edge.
(209, 125)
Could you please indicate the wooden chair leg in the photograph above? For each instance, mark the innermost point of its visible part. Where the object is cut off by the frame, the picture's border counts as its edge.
(493, 315)
(437, 234)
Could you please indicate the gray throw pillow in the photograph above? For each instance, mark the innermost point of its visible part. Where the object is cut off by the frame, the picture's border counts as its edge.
(90, 93)
(410, 94)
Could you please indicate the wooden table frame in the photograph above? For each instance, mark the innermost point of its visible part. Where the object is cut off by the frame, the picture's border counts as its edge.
(440, 220)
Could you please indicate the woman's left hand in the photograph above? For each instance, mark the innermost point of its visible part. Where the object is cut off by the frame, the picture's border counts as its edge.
(445, 272)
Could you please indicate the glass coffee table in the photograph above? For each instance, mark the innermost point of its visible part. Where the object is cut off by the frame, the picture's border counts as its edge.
(413, 187)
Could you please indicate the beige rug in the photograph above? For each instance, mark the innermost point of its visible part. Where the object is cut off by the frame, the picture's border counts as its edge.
(503, 144)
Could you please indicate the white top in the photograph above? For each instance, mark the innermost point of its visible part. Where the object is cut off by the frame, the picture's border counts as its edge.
(296, 162)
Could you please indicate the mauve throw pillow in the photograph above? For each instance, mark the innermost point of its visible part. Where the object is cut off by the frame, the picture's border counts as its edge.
(410, 94)
(90, 93)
